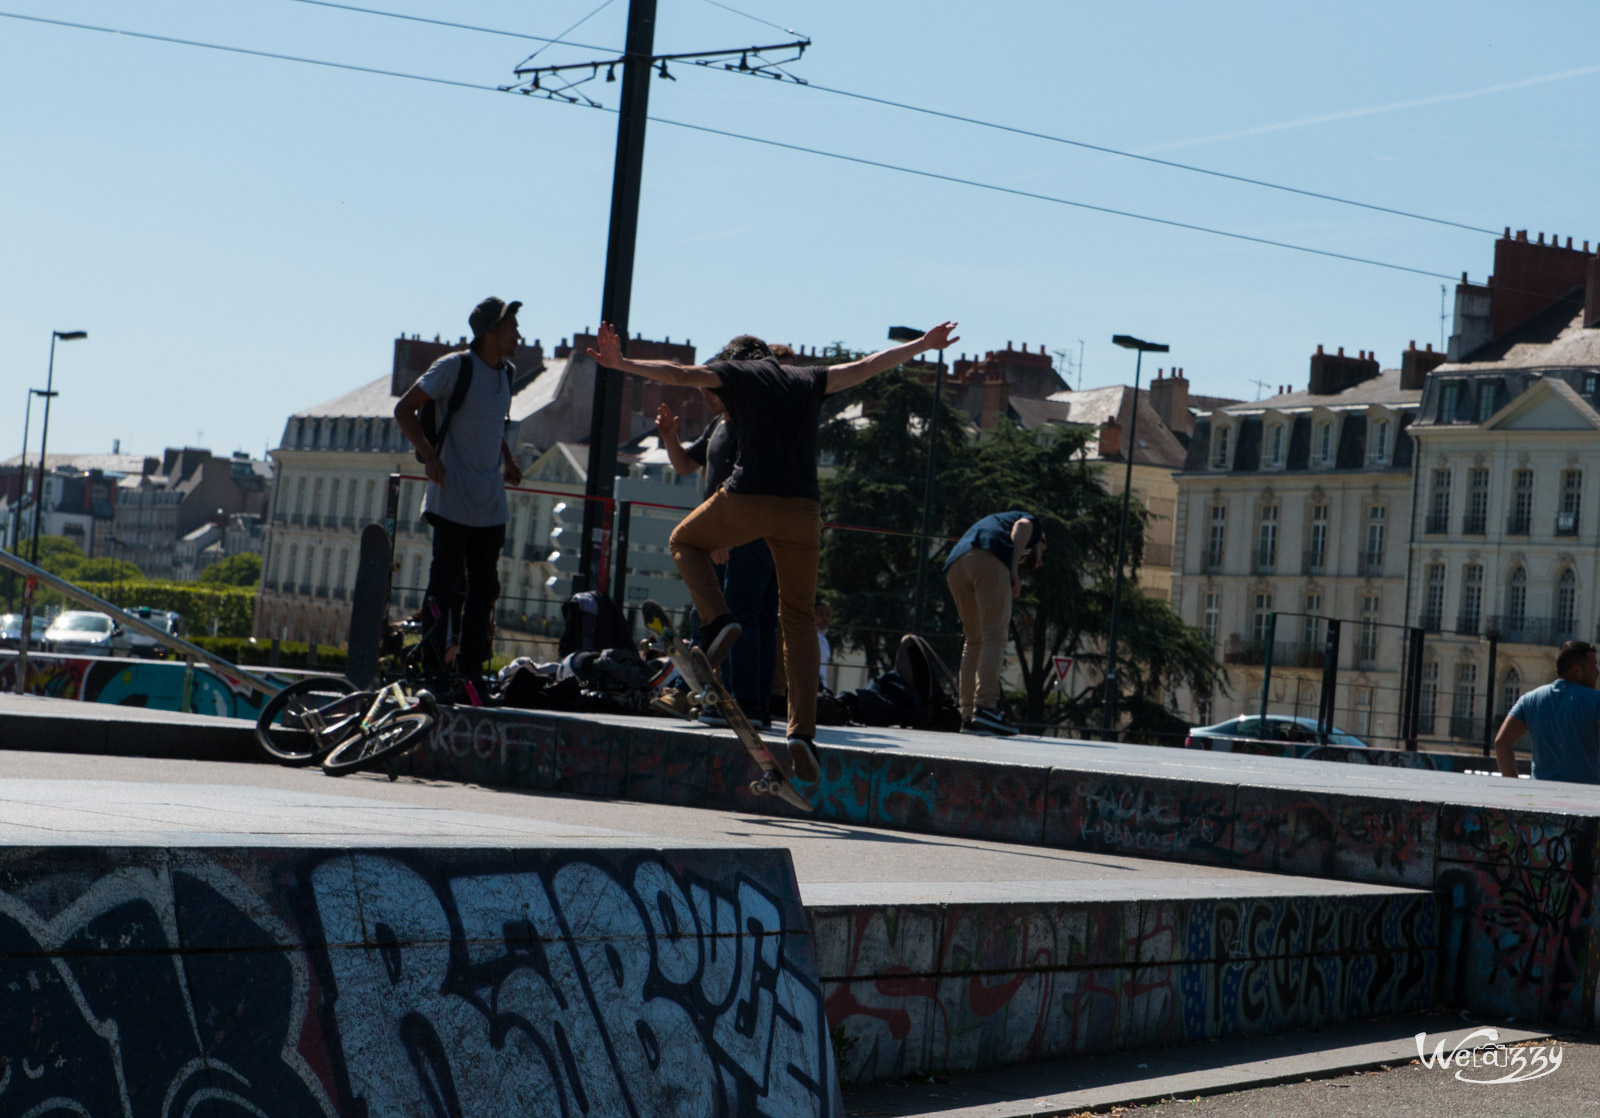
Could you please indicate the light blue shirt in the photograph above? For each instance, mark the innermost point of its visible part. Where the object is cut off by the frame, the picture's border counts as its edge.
(1563, 719)
(474, 491)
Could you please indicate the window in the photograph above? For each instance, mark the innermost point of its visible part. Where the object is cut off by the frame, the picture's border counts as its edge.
(350, 502)
(1486, 390)
(272, 575)
(1311, 630)
(1317, 553)
(1571, 500)
(1463, 724)
(1566, 607)
(316, 501)
(1449, 400)
(1380, 441)
(1363, 712)
(1477, 518)
(1516, 603)
(372, 486)
(1219, 451)
(1275, 445)
(1428, 697)
(1211, 618)
(344, 570)
(1367, 639)
(1267, 539)
(1471, 598)
(1591, 384)
(1217, 537)
(300, 498)
(1432, 618)
(1510, 691)
(1262, 622)
(1521, 518)
(333, 499)
(1372, 557)
(1325, 442)
(1439, 502)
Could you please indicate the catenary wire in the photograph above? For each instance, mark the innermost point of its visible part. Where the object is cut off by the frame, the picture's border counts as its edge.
(996, 125)
(458, 26)
(709, 130)
(596, 10)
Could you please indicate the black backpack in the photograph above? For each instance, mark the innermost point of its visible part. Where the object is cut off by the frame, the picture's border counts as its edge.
(434, 428)
(887, 701)
(935, 688)
(592, 623)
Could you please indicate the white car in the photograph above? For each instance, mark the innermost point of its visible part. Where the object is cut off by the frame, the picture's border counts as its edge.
(167, 620)
(87, 633)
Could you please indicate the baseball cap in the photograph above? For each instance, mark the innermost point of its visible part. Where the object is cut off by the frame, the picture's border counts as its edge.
(489, 314)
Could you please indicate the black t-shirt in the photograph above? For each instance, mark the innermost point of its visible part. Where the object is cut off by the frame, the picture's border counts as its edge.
(717, 451)
(773, 410)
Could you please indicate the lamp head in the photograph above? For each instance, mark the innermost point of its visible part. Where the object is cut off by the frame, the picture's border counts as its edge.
(903, 334)
(71, 335)
(1128, 341)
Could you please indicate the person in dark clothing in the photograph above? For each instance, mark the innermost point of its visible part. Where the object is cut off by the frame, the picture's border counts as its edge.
(771, 495)
(467, 474)
(984, 573)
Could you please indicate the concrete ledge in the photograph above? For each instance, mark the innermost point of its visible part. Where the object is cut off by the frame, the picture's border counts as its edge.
(63, 726)
(1433, 760)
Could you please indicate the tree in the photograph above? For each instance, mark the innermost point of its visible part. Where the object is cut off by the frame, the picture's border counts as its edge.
(65, 559)
(243, 569)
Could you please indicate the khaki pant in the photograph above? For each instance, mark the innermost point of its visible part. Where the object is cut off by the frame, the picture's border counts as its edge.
(981, 586)
(792, 527)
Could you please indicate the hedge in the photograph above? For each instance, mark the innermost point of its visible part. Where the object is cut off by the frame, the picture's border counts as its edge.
(231, 608)
(253, 653)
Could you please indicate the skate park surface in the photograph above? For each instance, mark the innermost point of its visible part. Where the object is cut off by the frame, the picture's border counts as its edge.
(956, 904)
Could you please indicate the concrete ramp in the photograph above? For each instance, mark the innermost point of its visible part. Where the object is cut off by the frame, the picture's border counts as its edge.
(188, 949)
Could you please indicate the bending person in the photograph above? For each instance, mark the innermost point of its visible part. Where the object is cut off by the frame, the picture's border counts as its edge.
(984, 573)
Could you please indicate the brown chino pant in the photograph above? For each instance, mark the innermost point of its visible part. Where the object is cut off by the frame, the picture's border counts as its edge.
(981, 585)
(792, 527)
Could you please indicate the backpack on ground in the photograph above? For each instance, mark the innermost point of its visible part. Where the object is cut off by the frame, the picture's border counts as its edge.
(935, 688)
(593, 622)
(887, 701)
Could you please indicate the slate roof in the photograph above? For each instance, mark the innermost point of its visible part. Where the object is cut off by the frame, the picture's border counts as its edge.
(372, 400)
(1554, 339)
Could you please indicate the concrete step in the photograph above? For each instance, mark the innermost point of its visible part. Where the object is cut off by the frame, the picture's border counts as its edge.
(929, 978)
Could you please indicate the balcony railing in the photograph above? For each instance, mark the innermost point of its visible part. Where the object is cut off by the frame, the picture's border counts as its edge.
(1430, 622)
(322, 591)
(297, 519)
(1467, 623)
(1371, 563)
(314, 520)
(340, 592)
(1467, 727)
(1438, 524)
(1285, 654)
(531, 553)
(1529, 630)
(1475, 524)
(1313, 562)
(1566, 524)
(1518, 524)
(347, 522)
(1212, 563)
(305, 590)
(1266, 560)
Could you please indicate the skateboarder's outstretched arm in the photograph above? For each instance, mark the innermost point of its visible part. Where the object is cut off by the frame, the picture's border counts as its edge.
(852, 373)
(607, 351)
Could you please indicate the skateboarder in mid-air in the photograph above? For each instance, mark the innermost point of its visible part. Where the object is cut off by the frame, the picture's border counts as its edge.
(772, 494)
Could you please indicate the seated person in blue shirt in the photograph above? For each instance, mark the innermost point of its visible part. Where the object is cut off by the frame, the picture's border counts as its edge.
(1564, 719)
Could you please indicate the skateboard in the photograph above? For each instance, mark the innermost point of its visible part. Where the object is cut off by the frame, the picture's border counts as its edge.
(773, 780)
(668, 641)
(368, 606)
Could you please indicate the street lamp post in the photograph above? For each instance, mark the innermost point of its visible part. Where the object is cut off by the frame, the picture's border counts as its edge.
(44, 437)
(1141, 347)
(907, 334)
(22, 485)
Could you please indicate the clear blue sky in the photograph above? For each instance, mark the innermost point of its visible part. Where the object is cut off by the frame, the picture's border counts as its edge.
(245, 237)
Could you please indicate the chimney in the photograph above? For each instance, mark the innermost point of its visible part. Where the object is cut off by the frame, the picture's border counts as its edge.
(1530, 277)
(1169, 398)
(1332, 373)
(1591, 287)
(1416, 364)
(1111, 438)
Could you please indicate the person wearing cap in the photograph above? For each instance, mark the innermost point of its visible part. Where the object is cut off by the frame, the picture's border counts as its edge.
(467, 474)
(772, 494)
(984, 573)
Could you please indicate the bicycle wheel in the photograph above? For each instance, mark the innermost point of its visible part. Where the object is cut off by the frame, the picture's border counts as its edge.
(284, 727)
(398, 733)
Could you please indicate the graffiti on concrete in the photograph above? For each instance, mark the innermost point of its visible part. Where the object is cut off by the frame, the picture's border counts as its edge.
(104, 1015)
(568, 991)
(154, 684)
(1154, 818)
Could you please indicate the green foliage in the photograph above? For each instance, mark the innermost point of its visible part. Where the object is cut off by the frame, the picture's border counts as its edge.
(247, 652)
(65, 559)
(230, 608)
(243, 569)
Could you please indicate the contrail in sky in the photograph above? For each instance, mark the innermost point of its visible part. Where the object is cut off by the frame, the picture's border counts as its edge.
(1347, 114)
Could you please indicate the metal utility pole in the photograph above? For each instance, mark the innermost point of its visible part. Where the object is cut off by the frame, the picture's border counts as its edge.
(44, 439)
(616, 296)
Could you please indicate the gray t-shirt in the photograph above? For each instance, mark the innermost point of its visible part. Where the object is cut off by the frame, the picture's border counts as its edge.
(474, 492)
(1563, 719)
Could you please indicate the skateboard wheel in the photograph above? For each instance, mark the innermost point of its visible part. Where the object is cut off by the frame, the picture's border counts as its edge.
(758, 787)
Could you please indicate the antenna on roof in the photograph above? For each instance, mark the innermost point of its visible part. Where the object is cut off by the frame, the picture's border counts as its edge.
(1260, 386)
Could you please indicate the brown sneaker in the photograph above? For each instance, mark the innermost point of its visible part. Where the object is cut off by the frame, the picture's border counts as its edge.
(674, 702)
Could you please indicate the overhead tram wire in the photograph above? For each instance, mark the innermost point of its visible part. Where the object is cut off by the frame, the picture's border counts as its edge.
(1014, 191)
(557, 41)
(596, 10)
(980, 123)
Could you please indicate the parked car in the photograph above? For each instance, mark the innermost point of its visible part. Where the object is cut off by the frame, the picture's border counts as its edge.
(82, 632)
(1280, 727)
(11, 631)
(165, 619)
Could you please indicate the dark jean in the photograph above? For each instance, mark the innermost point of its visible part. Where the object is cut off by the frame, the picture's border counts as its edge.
(750, 585)
(464, 582)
